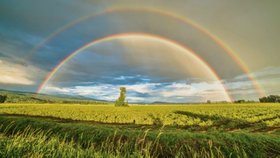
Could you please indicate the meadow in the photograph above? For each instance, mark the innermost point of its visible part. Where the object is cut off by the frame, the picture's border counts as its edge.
(98, 130)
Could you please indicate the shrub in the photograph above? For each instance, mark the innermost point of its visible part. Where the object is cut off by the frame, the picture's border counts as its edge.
(3, 98)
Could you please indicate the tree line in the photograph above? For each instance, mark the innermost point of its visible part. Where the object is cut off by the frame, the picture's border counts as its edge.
(270, 99)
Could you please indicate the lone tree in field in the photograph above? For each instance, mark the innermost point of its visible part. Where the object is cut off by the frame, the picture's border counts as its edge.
(121, 100)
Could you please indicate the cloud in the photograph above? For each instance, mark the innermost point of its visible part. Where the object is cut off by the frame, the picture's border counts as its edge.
(268, 79)
(147, 92)
(132, 60)
(14, 74)
(143, 88)
(203, 90)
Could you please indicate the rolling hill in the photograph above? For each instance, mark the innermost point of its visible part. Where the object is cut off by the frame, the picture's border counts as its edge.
(29, 97)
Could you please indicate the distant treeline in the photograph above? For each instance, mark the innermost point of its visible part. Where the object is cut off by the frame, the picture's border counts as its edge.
(270, 99)
(267, 99)
(245, 101)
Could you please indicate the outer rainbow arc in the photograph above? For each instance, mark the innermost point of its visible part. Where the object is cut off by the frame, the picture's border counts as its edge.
(106, 38)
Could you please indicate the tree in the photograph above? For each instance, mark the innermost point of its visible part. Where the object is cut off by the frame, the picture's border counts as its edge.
(3, 98)
(270, 99)
(121, 100)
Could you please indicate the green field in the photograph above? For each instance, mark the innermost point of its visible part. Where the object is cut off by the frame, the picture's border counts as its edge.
(198, 130)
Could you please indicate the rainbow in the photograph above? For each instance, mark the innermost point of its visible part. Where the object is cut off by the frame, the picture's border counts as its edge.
(180, 18)
(145, 35)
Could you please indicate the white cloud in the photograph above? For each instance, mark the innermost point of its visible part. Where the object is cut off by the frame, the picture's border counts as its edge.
(177, 89)
(242, 88)
(143, 87)
(205, 91)
(15, 74)
(102, 91)
(148, 92)
(53, 89)
(124, 77)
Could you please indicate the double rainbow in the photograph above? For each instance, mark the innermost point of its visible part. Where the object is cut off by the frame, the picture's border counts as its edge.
(182, 19)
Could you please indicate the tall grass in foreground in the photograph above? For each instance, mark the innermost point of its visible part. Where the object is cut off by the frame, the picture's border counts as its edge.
(35, 137)
(38, 143)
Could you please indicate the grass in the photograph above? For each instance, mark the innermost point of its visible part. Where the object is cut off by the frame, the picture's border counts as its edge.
(25, 136)
(25, 133)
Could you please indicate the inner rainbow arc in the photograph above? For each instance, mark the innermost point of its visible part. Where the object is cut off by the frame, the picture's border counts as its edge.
(116, 36)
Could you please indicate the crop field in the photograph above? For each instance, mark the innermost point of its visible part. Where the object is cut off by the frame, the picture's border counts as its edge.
(232, 116)
(197, 130)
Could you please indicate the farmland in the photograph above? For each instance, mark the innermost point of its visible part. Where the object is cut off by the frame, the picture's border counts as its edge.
(97, 130)
(221, 116)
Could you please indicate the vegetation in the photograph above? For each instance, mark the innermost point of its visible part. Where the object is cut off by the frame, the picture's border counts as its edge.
(197, 116)
(38, 137)
(96, 130)
(121, 100)
(3, 98)
(270, 99)
(27, 97)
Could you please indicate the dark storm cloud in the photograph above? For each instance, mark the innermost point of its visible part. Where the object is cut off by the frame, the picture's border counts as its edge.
(42, 17)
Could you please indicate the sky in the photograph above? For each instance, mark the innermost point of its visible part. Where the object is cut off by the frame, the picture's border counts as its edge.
(179, 51)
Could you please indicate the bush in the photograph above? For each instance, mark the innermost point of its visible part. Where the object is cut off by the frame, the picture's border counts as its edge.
(3, 98)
